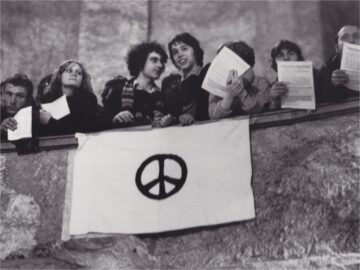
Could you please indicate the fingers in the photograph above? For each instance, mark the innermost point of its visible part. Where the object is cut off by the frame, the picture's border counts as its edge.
(123, 117)
(279, 89)
(231, 77)
(165, 120)
(186, 119)
(339, 77)
(44, 116)
(9, 123)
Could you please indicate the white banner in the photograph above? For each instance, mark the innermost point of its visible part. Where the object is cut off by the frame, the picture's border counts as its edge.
(162, 179)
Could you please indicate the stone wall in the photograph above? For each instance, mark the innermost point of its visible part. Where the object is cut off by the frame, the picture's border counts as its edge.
(306, 189)
(36, 36)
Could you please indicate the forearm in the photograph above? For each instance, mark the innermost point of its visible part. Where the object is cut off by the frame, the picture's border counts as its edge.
(219, 108)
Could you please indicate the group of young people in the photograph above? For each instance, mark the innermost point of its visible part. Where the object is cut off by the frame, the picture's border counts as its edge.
(179, 100)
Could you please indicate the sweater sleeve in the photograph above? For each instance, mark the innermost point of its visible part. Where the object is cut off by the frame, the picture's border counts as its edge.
(215, 109)
(254, 99)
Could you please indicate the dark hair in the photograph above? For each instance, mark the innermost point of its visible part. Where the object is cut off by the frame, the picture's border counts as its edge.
(284, 44)
(112, 87)
(241, 49)
(44, 82)
(189, 40)
(171, 81)
(55, 90)
(138, 54)
(19, 79)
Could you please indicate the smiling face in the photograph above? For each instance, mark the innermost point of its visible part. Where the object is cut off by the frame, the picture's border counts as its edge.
(14, 97)
(349, 34)
(286, 55)
(184, 56)
(72, 76)
(154, 66)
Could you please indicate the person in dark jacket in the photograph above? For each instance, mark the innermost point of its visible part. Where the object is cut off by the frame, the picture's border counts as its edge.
(71, 80)
(332, 78)
(137, 101)
(187, 56)
(286, 50)
(16, 93)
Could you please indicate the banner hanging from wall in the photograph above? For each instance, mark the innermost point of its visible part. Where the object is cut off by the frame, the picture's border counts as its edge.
(162, 179)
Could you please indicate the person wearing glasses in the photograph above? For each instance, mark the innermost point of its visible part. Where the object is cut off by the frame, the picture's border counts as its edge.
(71, 80)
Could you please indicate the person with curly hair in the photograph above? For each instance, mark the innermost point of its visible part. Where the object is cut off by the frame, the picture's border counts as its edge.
(138, 100)
(188, 100)
(71, 80)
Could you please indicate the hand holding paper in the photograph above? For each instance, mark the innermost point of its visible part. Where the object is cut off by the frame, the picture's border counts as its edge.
(350, 63)
(216, 78)
(234, 84)
(299, 78)
(58, 108)
(24, 123)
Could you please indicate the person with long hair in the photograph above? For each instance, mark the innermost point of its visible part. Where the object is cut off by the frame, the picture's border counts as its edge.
(71, 80)
(187, 102)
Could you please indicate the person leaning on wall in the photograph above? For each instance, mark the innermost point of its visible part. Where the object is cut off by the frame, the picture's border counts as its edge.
(186, 100)
(286, 50)
(246, 93)
(17, 93)
(137, 101)
(71, 80)
(332, 78)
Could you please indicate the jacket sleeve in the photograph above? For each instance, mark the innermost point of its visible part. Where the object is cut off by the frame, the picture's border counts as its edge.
(215, 109)
(254, 99)
(82, 117)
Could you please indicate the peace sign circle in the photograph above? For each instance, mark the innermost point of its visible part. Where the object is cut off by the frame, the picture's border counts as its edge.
(162, 181)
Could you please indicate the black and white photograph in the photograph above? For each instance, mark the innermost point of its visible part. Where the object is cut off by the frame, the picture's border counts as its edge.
(180, 134)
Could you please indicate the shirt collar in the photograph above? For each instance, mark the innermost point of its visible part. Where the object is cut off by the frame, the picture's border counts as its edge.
(153, 88)
(196, 71)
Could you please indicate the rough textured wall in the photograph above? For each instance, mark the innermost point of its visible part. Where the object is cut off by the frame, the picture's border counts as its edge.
(334, 15)
(37, 36)
(305, 183)
(107, 29)
(259, 23)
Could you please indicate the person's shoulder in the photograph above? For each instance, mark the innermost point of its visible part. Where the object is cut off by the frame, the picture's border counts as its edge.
(204, 70)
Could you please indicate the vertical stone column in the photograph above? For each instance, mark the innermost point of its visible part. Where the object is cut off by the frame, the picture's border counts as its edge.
(36, 36)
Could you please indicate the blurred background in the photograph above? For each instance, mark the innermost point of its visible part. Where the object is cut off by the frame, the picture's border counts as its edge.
(37, 35)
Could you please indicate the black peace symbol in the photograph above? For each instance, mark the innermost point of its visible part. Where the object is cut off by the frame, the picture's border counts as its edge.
(162, 178)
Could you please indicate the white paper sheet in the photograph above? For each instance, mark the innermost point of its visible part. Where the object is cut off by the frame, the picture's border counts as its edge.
(58, 108)
(300, 80)
(24, 123)
(350, 62)
(218, 72)
(216, 189)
